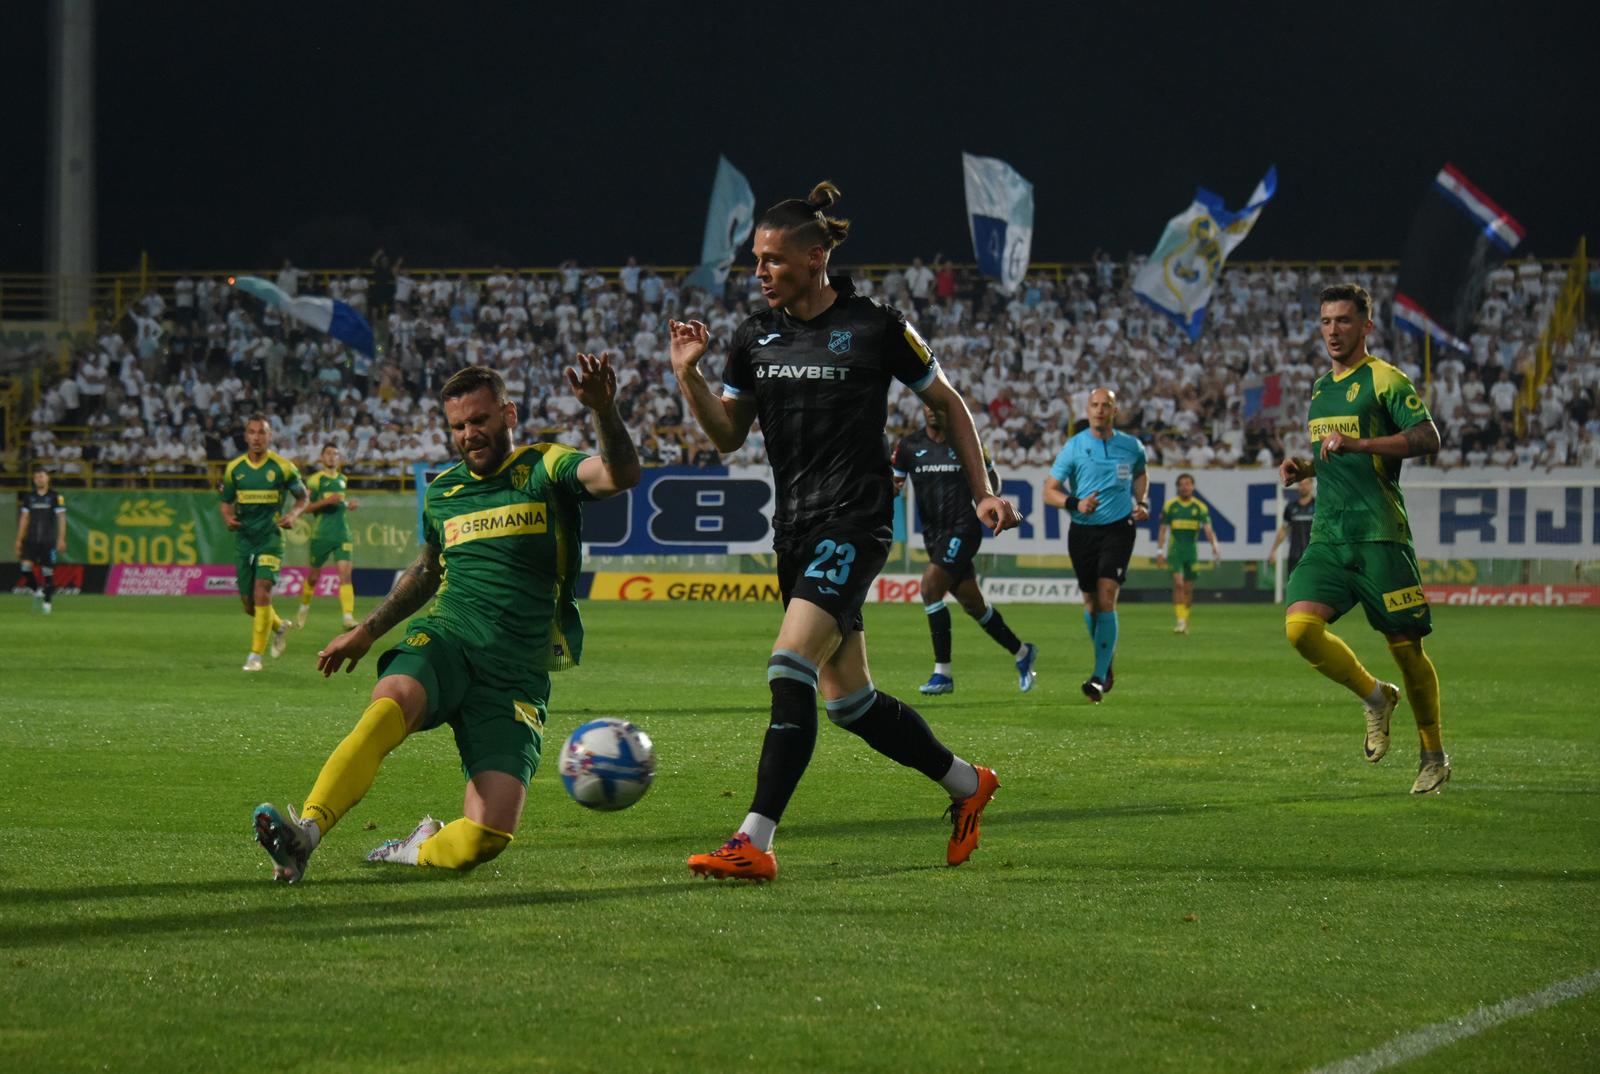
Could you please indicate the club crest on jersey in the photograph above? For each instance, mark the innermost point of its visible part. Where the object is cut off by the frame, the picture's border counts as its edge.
(839, 342)
(1350, 396)
(519, 475)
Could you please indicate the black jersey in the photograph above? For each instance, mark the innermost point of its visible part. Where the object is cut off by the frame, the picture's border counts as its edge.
(944, 500)
(42, 510)
(822, 395)
(1298, 517)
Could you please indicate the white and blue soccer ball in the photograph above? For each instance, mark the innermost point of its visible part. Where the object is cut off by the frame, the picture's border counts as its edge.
(608, 764)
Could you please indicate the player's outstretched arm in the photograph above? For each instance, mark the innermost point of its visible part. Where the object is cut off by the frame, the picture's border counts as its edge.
(594, 384)
(725, 421)
(993, 511)
(1419, 439)
(415, 587)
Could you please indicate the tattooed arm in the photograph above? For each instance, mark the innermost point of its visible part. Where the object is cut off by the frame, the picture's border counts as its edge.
(594, 384)
(415, 587)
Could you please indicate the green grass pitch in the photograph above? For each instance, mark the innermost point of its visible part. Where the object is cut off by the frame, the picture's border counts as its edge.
(1201, 874)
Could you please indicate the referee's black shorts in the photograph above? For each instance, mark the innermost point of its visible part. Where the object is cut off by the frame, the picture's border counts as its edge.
(1101, 552)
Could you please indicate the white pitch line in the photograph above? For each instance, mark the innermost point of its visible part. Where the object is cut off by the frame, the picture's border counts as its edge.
(1428, 1038)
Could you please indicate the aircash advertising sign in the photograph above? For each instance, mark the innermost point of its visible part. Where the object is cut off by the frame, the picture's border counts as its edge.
(1457, 515)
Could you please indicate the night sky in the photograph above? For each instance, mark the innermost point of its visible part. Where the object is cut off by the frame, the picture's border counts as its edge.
(232, 136)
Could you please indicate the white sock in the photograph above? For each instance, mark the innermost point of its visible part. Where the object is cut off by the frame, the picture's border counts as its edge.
(962, 779)
(760, 830)
(1376, 700)
(942, 669)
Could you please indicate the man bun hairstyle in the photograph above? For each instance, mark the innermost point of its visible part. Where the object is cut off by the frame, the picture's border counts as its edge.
(468, 380)
(1348, 292)
(807, 218)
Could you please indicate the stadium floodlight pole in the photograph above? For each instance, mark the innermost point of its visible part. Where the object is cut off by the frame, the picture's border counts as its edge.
(69, 253)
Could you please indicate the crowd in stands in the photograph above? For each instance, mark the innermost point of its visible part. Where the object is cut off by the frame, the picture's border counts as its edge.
(169, 386)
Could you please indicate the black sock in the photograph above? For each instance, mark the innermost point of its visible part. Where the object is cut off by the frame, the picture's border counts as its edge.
(939, 626)
(897, 731)
(48, 582)
(785, 752)
(994, 625)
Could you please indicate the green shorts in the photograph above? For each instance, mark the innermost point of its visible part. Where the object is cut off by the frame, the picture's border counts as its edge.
(256, 565)
(498, 727)
(336, 547)
(1382, 576)
(1186, 561)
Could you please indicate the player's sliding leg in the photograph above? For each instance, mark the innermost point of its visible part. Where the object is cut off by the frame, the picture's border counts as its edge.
(1422, 687)
(397, 707)
(492, 808)
(986, 615)
(1308, 632)
(899, 732)
(935, 587)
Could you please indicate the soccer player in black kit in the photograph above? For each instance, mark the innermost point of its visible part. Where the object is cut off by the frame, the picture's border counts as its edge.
(953, 535)
(42, 535)
(815, 367)
(1298, 514)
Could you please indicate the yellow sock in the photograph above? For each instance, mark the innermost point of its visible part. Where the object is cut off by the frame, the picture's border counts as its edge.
(353, 765)
(1328, 654)
(462, 844)
(1422, 687)
(277, 621)
(1183, 612)
(347, 599)
(308, 591)
(260, 627)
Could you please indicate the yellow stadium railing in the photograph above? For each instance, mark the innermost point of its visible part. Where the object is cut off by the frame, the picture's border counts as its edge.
(1566, 315)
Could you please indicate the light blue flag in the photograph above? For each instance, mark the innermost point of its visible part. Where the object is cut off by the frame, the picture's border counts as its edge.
(328, 315)
(1000, 216)
(1179, 277)
(728, 224)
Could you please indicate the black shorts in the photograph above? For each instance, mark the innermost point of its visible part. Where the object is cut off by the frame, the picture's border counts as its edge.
(953, 553)
(41, 553)
(1101, 552)
(832, 565)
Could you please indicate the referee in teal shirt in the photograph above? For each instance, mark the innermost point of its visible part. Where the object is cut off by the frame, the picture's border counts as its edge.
(1100, 478)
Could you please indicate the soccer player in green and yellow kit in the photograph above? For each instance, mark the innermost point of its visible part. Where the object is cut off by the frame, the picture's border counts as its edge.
(1187, 516)
(332, 537)
(505, 522)
(1366, 417)
(252, 490)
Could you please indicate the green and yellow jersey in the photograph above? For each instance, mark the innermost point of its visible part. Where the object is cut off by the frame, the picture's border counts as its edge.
(1185, 521)
(256, 491)
(333, 523)
(509, 547)
(1358, 495)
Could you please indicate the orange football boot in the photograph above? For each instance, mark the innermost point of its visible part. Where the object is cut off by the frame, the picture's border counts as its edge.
(736, 859)
(964, 814)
